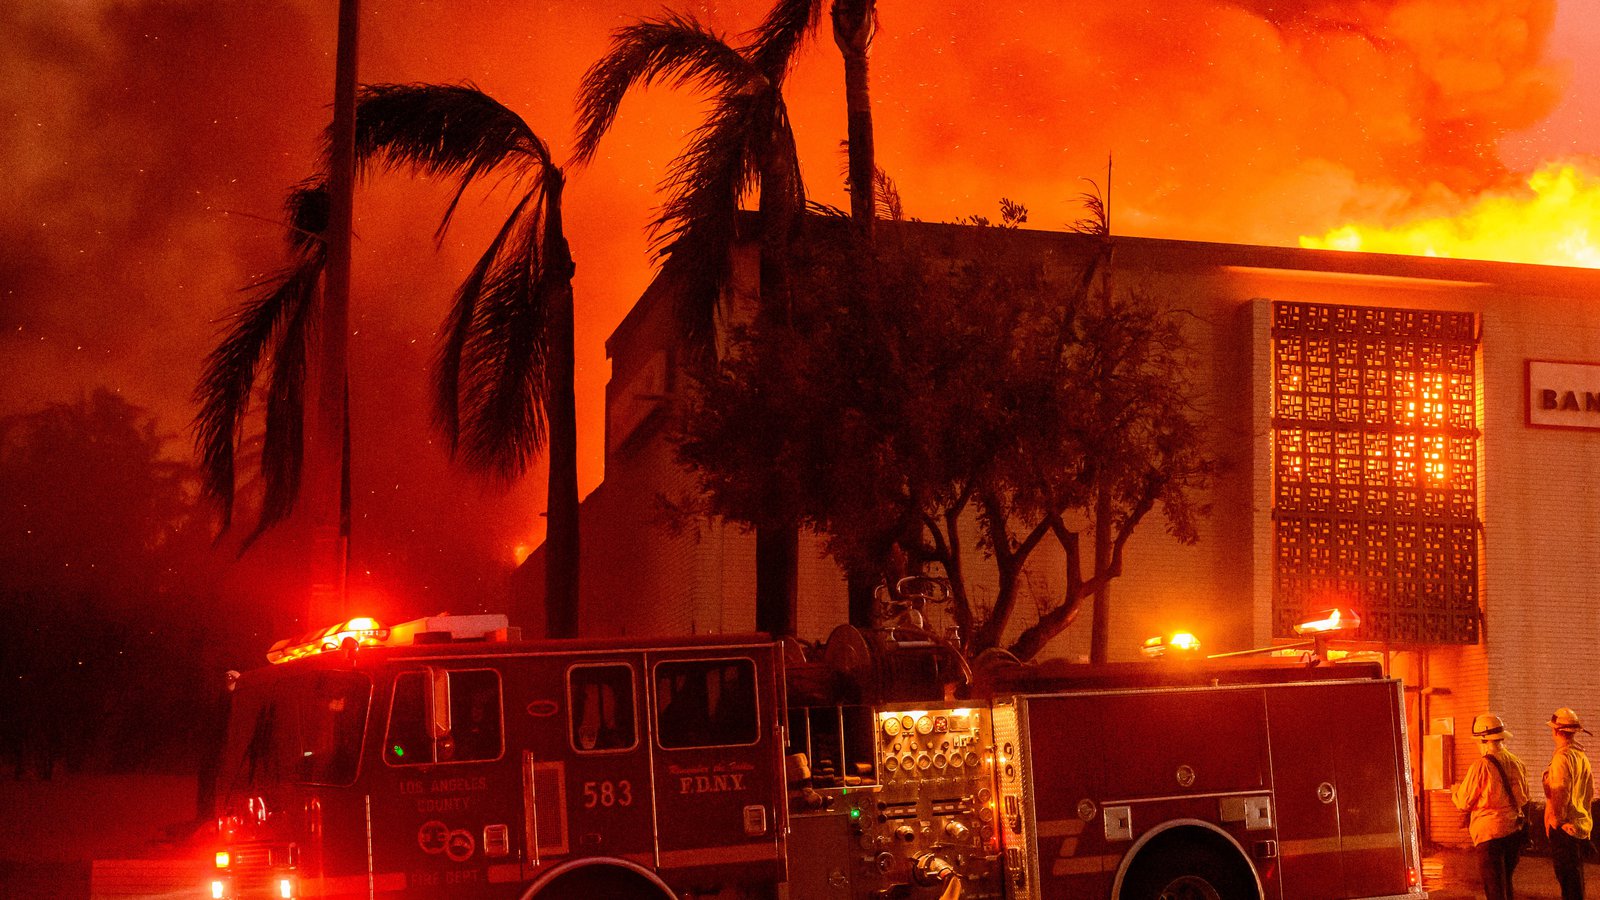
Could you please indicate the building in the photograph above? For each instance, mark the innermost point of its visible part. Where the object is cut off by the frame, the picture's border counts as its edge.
(1417, 437)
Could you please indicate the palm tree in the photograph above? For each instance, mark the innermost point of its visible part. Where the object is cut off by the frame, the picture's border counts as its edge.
(504, 380)
(504, 375)
(745, 144)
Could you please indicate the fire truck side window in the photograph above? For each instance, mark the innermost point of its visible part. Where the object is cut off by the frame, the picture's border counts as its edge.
(407, 741)
(468, 729)
(474, 717)
(706, 703)
(601, 702)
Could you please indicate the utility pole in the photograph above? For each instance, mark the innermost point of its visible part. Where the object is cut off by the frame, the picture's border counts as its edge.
(326, 463)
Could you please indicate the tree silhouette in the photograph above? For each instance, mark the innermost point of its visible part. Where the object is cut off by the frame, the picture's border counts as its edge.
(106, 587)
(504, 374)
(994, 405)
(745, 144)
(504, 381)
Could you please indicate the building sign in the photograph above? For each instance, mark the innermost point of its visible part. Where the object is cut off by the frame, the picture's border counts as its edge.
(1563, 394)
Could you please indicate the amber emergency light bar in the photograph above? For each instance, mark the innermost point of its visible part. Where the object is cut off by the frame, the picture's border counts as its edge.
(365, 631)
(1330, 620)
(1182, 643)
(1317, 631)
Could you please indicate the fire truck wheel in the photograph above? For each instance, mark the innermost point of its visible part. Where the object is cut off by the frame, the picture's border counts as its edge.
(1183, 871)
(593, 882)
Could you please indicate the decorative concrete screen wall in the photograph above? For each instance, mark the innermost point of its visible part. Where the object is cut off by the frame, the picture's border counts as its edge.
(1375, 437)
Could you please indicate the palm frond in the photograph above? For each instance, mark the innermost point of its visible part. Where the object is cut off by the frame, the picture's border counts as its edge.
(460, 326)
(885, 194)
(775, 42)
(717, 169)
(676, 50)
(503, 353)
(308, 208)
(778, 155)
(695, 226)
(283, 447)
(1097, 217)
(259, 328)
(451, 131)
(826, 210)
(886, 197)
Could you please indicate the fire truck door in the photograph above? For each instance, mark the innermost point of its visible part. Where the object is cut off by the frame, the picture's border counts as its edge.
(718, 765)
(443, 804)
(1336, 774)
(588, 788)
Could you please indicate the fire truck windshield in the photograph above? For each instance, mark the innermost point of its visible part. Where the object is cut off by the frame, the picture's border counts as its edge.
(300, 728)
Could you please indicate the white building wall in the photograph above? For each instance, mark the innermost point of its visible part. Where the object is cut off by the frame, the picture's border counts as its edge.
(1541, 527)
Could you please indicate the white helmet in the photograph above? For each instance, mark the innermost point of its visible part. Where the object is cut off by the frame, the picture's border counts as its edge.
(1489, 728)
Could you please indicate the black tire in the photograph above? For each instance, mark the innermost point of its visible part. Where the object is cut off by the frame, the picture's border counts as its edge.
(1181, 871)
(600, 883)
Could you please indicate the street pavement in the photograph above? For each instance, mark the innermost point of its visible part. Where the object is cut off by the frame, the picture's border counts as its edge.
(1451, 874)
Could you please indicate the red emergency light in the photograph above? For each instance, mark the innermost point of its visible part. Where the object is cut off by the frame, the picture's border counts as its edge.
(363, 631)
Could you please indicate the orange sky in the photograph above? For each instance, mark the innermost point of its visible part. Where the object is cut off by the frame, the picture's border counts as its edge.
(147, 145)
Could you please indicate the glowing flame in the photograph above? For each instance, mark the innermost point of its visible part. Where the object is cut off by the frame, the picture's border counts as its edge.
(1557, 224)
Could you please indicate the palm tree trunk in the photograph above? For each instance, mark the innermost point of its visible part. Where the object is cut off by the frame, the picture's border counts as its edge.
(561, 536)
(853, 22)
(853, 25)
(325, 462)
(777, 542)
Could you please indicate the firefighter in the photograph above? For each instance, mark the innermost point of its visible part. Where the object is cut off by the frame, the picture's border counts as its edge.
(1495, 791)
(1568, 791)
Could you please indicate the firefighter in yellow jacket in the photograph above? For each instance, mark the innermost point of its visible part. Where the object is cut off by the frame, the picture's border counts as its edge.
(1494, 791)
(1568, 791)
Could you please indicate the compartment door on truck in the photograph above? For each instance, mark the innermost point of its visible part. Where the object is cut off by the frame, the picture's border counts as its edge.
(1066, 761)
(718, 763)
(588, 779)
(1337, 785)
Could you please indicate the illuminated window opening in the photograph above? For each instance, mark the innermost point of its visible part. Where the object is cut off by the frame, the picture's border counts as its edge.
(1375, 440)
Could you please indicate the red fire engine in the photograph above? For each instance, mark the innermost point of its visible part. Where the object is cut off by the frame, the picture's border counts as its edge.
(446, 758)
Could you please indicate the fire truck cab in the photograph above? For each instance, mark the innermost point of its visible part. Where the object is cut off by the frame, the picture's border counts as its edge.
(445, 758)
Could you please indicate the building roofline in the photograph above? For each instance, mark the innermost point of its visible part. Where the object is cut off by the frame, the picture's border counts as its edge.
(1180, 255)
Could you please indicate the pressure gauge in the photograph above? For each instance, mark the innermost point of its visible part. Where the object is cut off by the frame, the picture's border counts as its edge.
(925, 725)
(907, 723)
(891, 726)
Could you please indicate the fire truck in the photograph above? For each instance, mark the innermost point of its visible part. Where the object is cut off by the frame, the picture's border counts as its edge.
(447, 758)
